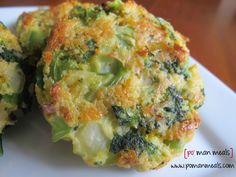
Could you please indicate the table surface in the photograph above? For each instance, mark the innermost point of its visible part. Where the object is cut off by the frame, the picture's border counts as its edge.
(210, 25)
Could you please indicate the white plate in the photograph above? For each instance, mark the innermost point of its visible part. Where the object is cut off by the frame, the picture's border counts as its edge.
(28, 150)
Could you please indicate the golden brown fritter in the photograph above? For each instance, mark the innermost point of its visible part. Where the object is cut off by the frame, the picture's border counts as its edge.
(115, 81)
(11, 77)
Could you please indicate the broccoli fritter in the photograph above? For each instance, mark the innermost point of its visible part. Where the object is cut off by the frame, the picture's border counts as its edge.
(33, 28)
(11, 78)
(115, 81)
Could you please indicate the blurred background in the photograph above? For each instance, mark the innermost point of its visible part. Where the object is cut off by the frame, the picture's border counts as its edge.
(210, 25)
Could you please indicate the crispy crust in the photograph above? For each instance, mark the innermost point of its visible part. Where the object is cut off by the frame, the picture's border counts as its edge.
(184, 129)
(127, 159)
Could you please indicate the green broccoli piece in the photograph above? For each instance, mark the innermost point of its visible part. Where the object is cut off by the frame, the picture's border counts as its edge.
(91, 44)
(60, 63)
(37, 39)
(67, 60)
(178, 107)
(59, 129)
(109, 67)
(113, 6)
(132, 140)
(174, 144)
(87, 15)
(135, 118)
(173, 66)
(129, 117)
(169, 66)
(10, 55)
(12, 99)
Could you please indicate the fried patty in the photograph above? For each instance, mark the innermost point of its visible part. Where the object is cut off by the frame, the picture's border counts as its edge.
(33, 28)
(115, 81)
(11, 77)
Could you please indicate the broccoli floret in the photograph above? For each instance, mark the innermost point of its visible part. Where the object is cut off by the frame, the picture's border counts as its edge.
(169, 66)
(126, 117)
(132, 140)
(173, 66)
(61, 63)
(113, 6)
(177, 109)
(12, 99)
(10, 55)
(91, 44)
(67, 60)
(135, 118)
(87, 15)
(149, 125)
